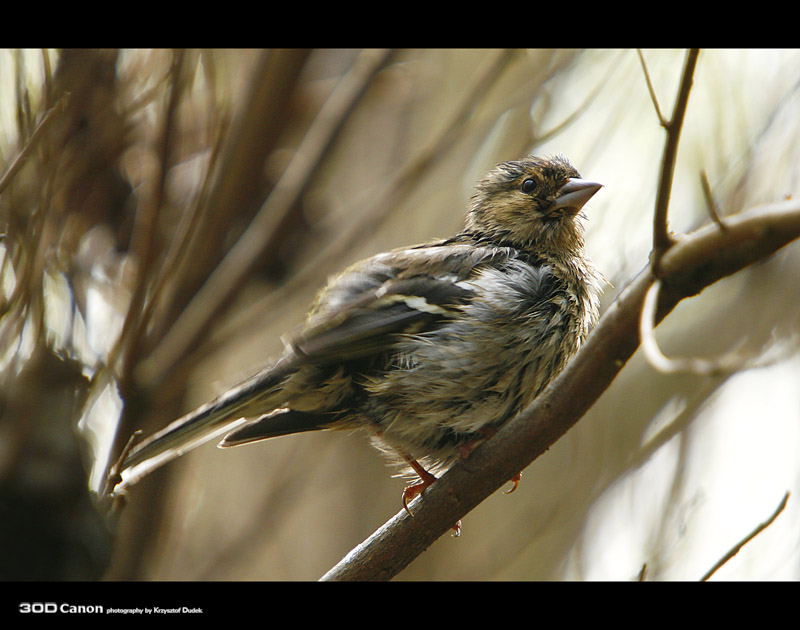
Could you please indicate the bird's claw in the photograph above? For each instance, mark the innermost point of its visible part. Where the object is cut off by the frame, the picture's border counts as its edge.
(515, 480)
(415, 489)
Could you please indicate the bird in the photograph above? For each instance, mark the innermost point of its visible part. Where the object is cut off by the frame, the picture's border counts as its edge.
(428, 349)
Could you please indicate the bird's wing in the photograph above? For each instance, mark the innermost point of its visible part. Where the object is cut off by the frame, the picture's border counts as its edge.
(372, 324)
(367, 309)
(364, 311)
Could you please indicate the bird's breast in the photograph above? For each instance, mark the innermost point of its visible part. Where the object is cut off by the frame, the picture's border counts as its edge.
(484, 364)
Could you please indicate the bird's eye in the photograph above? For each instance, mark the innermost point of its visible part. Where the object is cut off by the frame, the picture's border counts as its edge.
(528, 186)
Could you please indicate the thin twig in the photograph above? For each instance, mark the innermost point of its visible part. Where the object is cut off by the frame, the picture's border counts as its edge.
(662, 240)
(47, 72)
(725, 364)
(736, 548)
(580, 109)
(711, 204)
(36, 136)
(20, 294)
(661, 120)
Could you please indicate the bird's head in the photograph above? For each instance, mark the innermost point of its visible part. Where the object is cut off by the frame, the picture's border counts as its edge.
(533, 203)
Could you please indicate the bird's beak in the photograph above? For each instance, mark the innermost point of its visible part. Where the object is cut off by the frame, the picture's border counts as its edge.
(574, 194)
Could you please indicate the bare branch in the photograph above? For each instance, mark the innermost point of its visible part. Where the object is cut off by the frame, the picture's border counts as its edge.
(36, 136)
(726, 364)
(661, 120)
(580, 109)
(694, 262)
(662, 241)
(711, 203)
(736, 548)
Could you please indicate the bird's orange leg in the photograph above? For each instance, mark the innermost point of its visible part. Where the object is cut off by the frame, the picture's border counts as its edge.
(415, 489)
(425, 478)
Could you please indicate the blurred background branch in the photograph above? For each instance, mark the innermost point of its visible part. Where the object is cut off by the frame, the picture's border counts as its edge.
(129, 176)
(232, 271)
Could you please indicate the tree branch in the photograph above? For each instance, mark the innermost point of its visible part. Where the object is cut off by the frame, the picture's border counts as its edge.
(738, 547)
(696, 261)
(36, 136)
(711, 204)
(661, 120)
(661, 237)
(726, 364)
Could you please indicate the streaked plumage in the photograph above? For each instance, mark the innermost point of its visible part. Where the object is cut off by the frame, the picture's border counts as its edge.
(429, 348)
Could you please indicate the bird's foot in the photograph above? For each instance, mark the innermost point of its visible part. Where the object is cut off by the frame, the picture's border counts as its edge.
(415, 489)
(515, 480)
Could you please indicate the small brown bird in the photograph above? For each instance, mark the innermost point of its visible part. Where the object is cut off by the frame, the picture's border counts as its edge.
(429, 349)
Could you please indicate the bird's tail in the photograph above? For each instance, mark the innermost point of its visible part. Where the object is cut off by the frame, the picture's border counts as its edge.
(228, 412)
